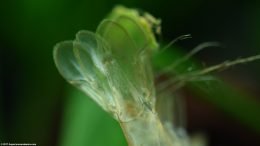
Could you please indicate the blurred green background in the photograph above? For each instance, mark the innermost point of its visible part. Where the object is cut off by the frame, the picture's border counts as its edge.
(38, 106)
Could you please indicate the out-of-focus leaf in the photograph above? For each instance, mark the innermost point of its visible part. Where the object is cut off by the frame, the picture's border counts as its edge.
(230, 100)
(86, 124)
(226, 98)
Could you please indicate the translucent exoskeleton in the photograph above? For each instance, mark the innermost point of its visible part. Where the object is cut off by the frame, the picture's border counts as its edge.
(104, 71)
(112, 66)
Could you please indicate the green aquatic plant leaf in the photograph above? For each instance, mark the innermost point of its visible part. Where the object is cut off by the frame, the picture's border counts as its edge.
(85, 123)
(218, 92)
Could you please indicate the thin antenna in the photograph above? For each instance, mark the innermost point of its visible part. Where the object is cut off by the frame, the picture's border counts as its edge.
(189, 55)
(198, 75)
(182, 37)
(226, 64)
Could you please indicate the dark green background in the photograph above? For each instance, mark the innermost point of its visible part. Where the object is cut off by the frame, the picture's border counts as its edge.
(38, 106)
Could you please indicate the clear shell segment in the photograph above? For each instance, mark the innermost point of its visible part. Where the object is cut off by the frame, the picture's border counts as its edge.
(134, 61)
(88, 63)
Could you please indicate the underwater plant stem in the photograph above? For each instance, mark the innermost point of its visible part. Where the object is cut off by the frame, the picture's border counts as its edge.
(146, 130)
